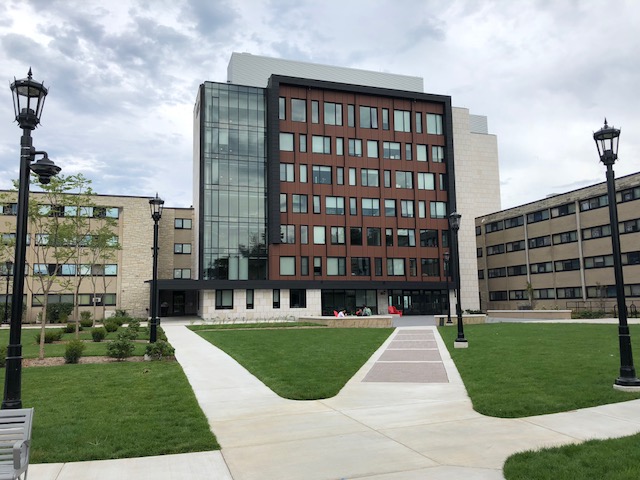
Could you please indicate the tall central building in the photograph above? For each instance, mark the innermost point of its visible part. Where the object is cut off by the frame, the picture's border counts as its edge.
(323, 188)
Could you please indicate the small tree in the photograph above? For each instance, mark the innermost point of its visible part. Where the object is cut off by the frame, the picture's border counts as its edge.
(529, 288)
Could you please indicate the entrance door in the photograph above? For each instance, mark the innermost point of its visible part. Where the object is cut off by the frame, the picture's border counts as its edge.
(178, 303)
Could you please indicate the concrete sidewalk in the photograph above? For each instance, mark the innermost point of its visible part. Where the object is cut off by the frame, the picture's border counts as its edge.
(405, 415)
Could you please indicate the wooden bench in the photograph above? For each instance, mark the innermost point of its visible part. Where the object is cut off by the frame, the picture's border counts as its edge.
(15, 442)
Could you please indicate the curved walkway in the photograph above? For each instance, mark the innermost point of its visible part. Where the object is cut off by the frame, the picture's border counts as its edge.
(405, 415)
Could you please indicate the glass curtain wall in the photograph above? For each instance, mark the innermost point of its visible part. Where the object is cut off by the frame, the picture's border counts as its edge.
(234, 173)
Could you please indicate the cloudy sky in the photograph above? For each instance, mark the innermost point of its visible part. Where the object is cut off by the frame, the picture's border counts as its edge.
(123, 77)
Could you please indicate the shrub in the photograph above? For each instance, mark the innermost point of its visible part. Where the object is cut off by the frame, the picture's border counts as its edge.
(58, 312)
(129, 334)
(161, 335)
(120, 348)
(73, 352)
(85, 315)
(588, 314)
(121, 313)
(119, 320)
(86, 322)
(70, 328)
(134, 324)
(50, 336)
(98, 334)
(3, 356)
(111, 326)
(159, 349)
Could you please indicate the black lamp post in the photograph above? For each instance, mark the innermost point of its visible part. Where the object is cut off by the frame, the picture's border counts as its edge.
(447, 257)
(28, 101)
(156, 205)
(607, 142)
(9, 266)
(454, 224)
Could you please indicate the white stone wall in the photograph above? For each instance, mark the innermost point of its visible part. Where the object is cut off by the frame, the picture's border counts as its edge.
(262, 306)
(477, 180)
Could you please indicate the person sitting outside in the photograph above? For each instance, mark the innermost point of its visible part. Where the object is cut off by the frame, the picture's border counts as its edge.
(366, 311)
(341, 313)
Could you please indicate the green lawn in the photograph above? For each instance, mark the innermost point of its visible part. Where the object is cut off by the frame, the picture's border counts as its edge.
(301, 364)
(518, 370)
(513, 370)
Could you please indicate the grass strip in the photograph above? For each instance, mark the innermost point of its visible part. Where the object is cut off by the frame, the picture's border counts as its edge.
(518, 369)
(301, 364)
(105, 411)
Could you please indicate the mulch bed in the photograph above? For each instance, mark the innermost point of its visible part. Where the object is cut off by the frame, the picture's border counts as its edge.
(55, 361)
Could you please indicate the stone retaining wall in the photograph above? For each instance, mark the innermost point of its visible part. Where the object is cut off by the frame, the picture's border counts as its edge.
(374, 321)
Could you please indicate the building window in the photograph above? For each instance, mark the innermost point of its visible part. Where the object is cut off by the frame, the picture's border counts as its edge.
(479, 252)
(353, 206)
(353, 172)
(566, 237)
(288, 234)
(340, 175)
(406, 237)
(373, 237)
(298, 110)
(434, 124)
(438, 209)
(332, 113)
(377, 266)
(563, 210)
(514, 222)
(337, 236)
(304, 266)
(401, 121)
(596, 232)
(320, 144)
(370, 207)
(385, 119)
(336, 266)
(391, 150)
(418, 122)
(287, 266)
(421, 153)
(406, 209)
(297, 298)
(318, 235)
(224, 299)
(517, 295)
(629, 194)
(387, 179)
(600, 261)
(182, 248)
(334, 205)
(360, 266)
(630, 258)
(494, 227)
(395, 267)
(437, 154)
(408, 151)
(182, 273)
(286, 172)
(495, 249)
(515, 246)
(283, 203)
(372, 149)
(569, 292)
(422, 209)
(286, 142)
(497, 272)
(303, 173)
(368, 117)
(543, 267)
(249, 295)
(276, 298)
(302, 143)
(339, 146)
(388, 233)
(538, 216)
(389, 208)
(321, 175)
(182, 224)
(567, 265)
(355, 147)
(404, 180)
(355, 235)
(426, 181)
(282, 109)
(498, 295)
(428, 238)
(299, 203)
(517, 270)
(630, 226)
(430, 267)
(316, 204)
(304, 234)
(315, 111)
(544, 294)
(351, 115)
(538, 242)
(593, 203)
(369, 177)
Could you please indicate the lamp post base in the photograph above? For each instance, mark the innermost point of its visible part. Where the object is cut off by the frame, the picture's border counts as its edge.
(627, 384)
(460, 344)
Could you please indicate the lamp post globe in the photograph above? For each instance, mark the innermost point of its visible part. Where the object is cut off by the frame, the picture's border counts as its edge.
(607, 139)
(28, 103)
(454, 224)
(156, 205)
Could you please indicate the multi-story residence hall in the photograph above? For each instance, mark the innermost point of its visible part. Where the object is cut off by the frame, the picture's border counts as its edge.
(320, 188)
(559, 250)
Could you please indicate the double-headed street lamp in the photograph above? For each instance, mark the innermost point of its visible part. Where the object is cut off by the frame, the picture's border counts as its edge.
(607, 142)
(446, 257)
(454, 224)
(156, 205)
(28, 101)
